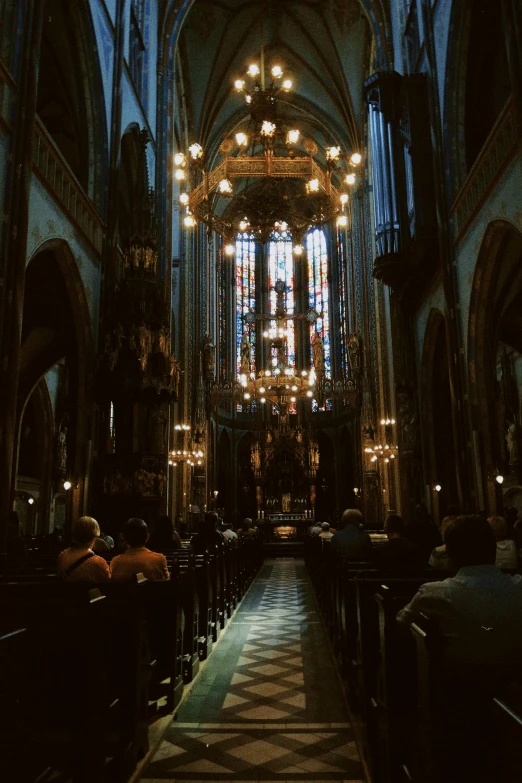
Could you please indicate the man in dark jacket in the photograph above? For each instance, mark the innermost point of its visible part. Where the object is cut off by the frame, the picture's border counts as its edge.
(352, 541)
(398, 555)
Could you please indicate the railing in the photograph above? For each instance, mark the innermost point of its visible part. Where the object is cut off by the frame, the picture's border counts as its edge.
(492, 160)
(61, 183)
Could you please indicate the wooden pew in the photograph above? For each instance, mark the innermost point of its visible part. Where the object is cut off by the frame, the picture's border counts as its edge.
(81, 682)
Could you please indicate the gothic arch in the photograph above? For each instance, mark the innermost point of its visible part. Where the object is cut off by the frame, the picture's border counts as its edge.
(57, 324)
(436, 418)
(495, 297)
(70, 94)
(473, 45)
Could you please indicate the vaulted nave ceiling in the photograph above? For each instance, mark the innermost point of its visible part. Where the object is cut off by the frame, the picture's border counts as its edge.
(322, 45)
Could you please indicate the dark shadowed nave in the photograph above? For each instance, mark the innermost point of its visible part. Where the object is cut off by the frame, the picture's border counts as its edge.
(268, 706)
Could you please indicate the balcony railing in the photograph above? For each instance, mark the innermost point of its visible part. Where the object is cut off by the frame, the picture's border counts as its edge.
(493, 158)
(52, 169)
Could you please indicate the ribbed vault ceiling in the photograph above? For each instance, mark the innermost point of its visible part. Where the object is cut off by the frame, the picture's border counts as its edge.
(323, 45)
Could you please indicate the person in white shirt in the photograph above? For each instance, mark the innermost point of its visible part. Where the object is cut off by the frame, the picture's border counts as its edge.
(228, 531)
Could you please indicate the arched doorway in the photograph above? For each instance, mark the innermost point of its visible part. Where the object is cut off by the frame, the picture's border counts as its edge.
(495, 364)
(53, 388)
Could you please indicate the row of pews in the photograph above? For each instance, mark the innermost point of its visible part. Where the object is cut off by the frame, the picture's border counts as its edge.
(82, 666)
(394, 681)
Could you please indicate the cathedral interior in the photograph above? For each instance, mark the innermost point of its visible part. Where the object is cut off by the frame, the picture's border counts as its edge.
(259, 258)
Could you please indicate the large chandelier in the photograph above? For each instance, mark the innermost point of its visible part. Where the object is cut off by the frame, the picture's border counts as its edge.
(279, 384)
(263, 148)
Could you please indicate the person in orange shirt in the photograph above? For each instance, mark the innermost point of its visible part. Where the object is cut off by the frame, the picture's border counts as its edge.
(79, 563)
(137, 558)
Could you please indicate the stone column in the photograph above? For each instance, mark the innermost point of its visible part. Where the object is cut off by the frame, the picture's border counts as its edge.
(16, 252)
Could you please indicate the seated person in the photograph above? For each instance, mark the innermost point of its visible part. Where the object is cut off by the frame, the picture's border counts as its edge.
(439, 557)
(137, 558)
(478, 612)
(248, 528)
(423, 531)
(228, 531)
(507, 555)
(351, 540)
(103, 544)
(326, 533)
(207, 537)
(316, 528)
(398, 555)
(79, 563)
(164, 537)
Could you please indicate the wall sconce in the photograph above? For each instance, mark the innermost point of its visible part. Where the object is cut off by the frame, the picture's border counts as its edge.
(437, 487)
(499, 478)
(67, 485)
(30, 501)
(356, 491)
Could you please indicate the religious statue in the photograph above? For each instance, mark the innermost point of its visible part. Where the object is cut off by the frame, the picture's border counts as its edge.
(407, 416)
(245, 356)
(354, 354)
(61, 451)
(144, 344)
(156, 429)
(285, 502)
(318, 354)
(511, 442)
(256, 457)
(208, 358)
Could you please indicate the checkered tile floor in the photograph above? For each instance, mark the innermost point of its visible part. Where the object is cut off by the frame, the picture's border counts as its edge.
(268, 704)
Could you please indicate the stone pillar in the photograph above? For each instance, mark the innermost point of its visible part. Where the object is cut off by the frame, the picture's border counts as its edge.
(16, 252)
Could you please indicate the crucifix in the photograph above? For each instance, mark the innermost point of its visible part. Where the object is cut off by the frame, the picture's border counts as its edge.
(280, 316)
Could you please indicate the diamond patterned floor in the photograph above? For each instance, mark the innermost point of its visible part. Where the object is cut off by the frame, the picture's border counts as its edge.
(268, 704)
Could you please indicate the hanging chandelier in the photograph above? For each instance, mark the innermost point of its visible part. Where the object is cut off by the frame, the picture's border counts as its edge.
(386, 450)
(291, 188)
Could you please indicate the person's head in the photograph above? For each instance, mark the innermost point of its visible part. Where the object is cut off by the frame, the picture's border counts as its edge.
(325, 526)
(247, 523)
(85, 531)
(210, 522)
(135, 532)
(499, 527)
(394, 526)
(352, 516)
(470, 541)
(444, 524)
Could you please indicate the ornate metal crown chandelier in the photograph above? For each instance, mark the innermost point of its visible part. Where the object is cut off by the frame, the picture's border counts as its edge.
(265, 149)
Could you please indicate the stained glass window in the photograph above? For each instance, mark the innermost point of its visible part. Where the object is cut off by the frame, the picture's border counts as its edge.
(245, 299)
(281, 267)
(343, 315)
(319, 298)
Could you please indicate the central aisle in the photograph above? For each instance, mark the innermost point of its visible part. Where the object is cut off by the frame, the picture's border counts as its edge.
(268, 705)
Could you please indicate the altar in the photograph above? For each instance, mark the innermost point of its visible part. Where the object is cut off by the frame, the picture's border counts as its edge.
(281, 526)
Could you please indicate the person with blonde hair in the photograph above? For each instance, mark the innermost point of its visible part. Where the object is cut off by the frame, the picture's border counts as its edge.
(507, 555)
(79, 563)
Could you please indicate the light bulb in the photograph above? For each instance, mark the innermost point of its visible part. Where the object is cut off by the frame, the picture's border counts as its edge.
(294, 388)
(189, 221)
(332, 153)
(298, 250)
(253, 70)
(183, 198)
(179, 174)
(243, 225)
(30, 501)
(262, 389)
(241, 139)
(499, 479)
(229, 250)
(309, 394)
(67, 485)
(292, 136)
(344, 198)
(356, 158)
(292, 399)
(437, 487)
(262, 400)
(196, 151)
(239, 84)
(342, 221)
(248, 99)
(225, 186)
(277, 71)
(313, 185)
(350, 179)
(287, 84)
(179, 159)
(268, 128)
(246, 396)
